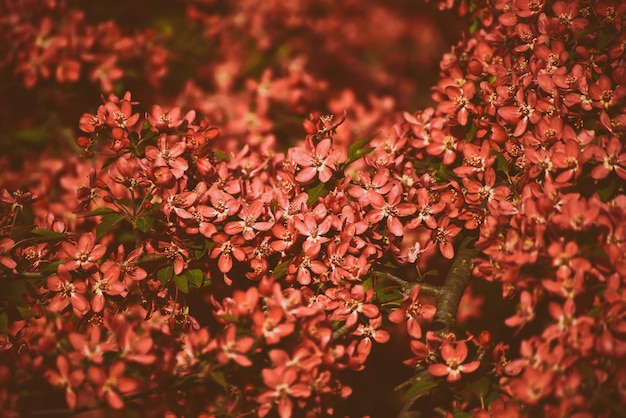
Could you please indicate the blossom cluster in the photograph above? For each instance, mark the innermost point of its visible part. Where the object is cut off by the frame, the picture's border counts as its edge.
(229, 278)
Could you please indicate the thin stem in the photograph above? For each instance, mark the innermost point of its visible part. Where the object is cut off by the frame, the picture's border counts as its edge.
(339, 332)
(426, 288)
(403, 283)
(28, 275)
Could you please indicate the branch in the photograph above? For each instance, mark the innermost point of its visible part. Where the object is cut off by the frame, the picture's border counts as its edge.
(420, 376)
(454, 286)
(27, 275)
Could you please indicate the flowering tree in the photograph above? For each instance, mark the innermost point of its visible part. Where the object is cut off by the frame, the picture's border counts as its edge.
(208, 263)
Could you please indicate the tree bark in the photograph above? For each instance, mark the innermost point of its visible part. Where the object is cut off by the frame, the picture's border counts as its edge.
(454, 286)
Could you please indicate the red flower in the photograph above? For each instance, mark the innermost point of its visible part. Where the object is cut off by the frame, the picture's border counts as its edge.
(459, 104)
(281, 382)
(412, 311)
(93, 123)
(232, 348)
(66, 379)
(67, 292)
(426, 209)
(453, 358)
(5, 258)
(304, 358)
(475, 160)
(444, 237)
(170, 120)
(226, 248)
(119, 115)
(392, 209)
(370, 332)
(576, 213)
(112, 385)
(169, 156)
(525, 311)
(302, 267)
(105, 283)
(611, 158)
(351, 303)
(603, 94)
(522, 113)
(314, 160)
(85, 253)
(248, 225)
(372, 189)
(309, 227)
(271, 325)
(177, 254)
(443, 144)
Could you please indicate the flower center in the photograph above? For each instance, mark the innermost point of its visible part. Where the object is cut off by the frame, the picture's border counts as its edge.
(389, 210)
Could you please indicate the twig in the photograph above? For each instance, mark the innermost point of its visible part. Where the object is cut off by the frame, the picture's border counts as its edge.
(339, 332)
(27, 275)
(426, 288)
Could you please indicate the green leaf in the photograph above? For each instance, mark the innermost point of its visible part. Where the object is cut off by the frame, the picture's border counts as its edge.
(13, 291)
(4, 323)
(481, 387)
(20, 231)
(218, 377)
(315, 193)
(220, 155)
(390, 296)
(134, 137)
(107, 223)
(492, 397)
(368, 283)
(419, 389)
(605, 40)
(358, 145)
(281, 269)
(99, 211)
(48, 235)
(182, 282)
(109, 161)
(474, 26)
(588, 374)
(501, 164)
(145, 223)
(199, 248)
(230, 318)
(195, 277)
(50, 268)
(471, 134)
(462, 415)
(34, 136)
(25, 313)
(606, 189)
(358, 154)
(165, 274)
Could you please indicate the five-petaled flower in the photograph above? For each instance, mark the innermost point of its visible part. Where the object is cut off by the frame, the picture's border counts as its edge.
(316, 160)
(83, 254)
(413, 311)
(283, 385)
(453, 355)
